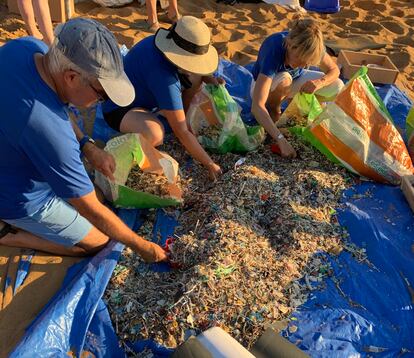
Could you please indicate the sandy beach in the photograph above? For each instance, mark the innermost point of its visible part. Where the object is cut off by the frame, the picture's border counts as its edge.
(239, 30)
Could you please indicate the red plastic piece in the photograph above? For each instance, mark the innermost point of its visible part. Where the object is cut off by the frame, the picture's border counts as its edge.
(168, 243)
(275, 149)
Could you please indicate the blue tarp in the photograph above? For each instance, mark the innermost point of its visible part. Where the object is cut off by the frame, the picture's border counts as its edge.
(374, 311)
(76, 318)
(372, 308)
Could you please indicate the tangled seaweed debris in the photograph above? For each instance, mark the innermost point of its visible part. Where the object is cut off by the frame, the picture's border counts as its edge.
(247, 244)
(151, 183)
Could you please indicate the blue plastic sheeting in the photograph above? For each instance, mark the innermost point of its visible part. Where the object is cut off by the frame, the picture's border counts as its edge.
(23, 270)
(76, 318)
(374, 307)
(373, 312)
(238, 83)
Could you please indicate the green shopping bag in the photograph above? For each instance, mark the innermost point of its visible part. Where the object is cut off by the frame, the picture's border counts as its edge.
(133, 150)
(214, 117)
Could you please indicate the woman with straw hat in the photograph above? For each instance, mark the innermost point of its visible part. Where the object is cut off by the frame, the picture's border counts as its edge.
(166, 70)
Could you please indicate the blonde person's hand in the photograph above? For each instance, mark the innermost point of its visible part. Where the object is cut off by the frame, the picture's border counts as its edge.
(214, 80)
(153, 253)
(102, 161)
(310, 86)
(286, 149)
(214, 171)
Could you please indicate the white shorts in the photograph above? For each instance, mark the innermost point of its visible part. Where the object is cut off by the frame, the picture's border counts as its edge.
(329, 91)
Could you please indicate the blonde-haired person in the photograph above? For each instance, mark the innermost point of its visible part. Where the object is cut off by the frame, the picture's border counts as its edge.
(37, 10)
(280, 72)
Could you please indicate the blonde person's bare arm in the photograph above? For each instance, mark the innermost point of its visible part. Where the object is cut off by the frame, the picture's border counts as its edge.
(331, 70)
(113, 227)
(177, 121)
(260, 112)
(97, 157)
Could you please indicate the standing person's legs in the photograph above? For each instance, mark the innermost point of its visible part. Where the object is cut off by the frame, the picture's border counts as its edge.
(152, 20)
(173, 13)
(42, 14)
(26, 10)
(326, 93)
(56, 228)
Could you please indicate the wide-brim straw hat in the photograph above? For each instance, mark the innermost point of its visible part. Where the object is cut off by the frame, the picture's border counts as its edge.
(187, 45)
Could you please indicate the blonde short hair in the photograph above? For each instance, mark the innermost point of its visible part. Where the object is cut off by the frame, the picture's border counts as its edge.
(306, 39)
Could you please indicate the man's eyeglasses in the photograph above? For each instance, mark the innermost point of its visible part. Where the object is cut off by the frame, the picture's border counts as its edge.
(100, 94)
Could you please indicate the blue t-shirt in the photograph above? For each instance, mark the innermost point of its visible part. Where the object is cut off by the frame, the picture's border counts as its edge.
(271, 58)
(39, 153)
(154, 78)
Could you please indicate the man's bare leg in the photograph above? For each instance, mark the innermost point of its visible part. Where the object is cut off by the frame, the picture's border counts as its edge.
(92, 243)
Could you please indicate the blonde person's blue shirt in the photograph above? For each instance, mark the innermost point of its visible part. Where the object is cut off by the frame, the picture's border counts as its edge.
(39, 153)
(271, 58)
(155, 79)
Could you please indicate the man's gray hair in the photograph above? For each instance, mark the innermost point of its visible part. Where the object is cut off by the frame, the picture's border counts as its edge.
(58, 62)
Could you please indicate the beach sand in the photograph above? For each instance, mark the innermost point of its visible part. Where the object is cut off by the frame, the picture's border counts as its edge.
(239, 30)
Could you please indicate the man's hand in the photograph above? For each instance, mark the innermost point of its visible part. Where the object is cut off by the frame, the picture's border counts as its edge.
(153, 253)
(286, 149)
(214, 171)
(310, 86)
(99, 159)
(213, 80)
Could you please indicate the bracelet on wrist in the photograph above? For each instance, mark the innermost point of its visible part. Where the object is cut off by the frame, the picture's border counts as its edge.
(84, 140)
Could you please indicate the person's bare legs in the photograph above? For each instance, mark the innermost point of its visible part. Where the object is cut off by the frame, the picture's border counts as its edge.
(138, 120)
(27, 13)
(152, 14)
(173, 13)
(276, 97)
(42, 14)
(92, 243)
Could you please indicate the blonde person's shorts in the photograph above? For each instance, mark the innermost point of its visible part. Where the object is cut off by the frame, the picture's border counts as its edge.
(329, 91)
